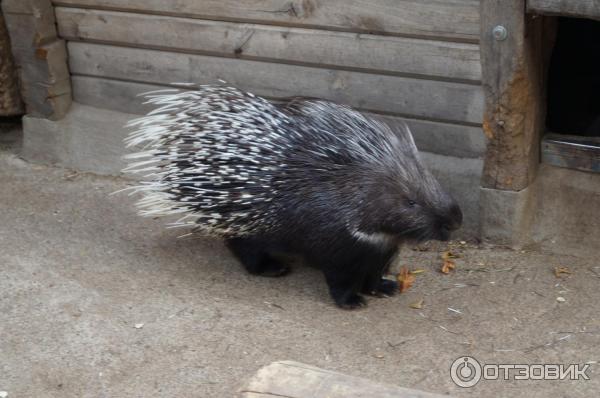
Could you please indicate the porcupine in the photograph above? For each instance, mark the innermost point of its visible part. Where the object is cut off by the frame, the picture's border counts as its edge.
(308, 177)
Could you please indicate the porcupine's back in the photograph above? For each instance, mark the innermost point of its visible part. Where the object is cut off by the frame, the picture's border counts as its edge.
(230, 163)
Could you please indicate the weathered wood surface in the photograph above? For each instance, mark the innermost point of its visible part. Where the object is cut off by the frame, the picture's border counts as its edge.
(571, 151)
(573, 8)
(288, 379)
(385, 54)
(513, 76)
(443, 101)
(10, 97)
(447, 19)
(40, 56)
(443, 138)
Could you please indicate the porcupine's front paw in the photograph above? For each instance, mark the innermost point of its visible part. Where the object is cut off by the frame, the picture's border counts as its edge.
(383, 288)
(351, 302)
(343, 289)
(386, 288)
(272, 268)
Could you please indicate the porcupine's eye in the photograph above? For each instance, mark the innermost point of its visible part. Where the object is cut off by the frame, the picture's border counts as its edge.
(411, 203)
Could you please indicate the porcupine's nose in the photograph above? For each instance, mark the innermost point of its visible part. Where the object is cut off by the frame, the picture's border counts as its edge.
(455, 218)
(451, 221)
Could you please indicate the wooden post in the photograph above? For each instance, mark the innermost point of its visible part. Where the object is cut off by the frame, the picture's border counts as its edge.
(10, 99)
(288, 379)
(515, 49)
(40, 56)
(512, 73)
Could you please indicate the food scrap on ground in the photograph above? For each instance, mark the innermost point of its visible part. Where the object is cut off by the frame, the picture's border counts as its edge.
(449, 255)
(405, 279)
(561, 271)
(417, 305)
(449, 264)
(417, 271)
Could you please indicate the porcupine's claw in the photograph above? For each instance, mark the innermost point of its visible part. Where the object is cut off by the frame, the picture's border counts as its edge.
(352, 302)
(386, 288)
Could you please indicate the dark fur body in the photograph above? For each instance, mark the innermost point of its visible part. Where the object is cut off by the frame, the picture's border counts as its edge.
(312, 178)
(350, 267)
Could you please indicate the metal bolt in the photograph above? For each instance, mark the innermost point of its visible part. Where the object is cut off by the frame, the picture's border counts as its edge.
(500, 33)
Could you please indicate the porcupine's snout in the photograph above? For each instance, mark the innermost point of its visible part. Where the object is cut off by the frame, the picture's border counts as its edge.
(449, 220)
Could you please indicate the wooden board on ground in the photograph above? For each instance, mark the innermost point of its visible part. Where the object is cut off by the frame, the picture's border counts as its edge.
(289, 379)
(436, 100)
(385, 54)
(448, 19)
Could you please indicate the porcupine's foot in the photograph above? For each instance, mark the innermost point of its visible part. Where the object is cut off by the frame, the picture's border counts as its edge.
(255, 258)
(351, 302)
(343, 293)
(271, 268)
(385, 288)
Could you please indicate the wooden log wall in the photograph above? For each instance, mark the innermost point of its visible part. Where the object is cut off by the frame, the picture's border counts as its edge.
(41, 58)
(403, 59)
(10, 97)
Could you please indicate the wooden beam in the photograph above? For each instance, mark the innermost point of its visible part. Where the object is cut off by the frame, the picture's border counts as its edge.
(40, 56)
(10, 97)
(379, 54)
(569, 8)
(437, 100)
(288, 379)
(513, 70)
(436, 137)
(456, 20)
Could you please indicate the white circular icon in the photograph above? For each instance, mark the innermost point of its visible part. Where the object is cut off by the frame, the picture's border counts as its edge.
(465, 372)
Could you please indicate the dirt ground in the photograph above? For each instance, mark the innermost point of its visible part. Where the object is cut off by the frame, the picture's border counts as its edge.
(96, 302)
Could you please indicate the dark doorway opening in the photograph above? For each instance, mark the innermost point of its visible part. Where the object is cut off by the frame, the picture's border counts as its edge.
(573, 112)
(574, 79)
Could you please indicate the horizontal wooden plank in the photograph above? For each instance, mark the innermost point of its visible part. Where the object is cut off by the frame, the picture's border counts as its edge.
(571, 151)
(444, 101)
(306, 46)
(443, 138)
(448, 19)
(573, 8)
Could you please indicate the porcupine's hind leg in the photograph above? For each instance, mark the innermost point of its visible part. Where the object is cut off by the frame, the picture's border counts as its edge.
(254, 255)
